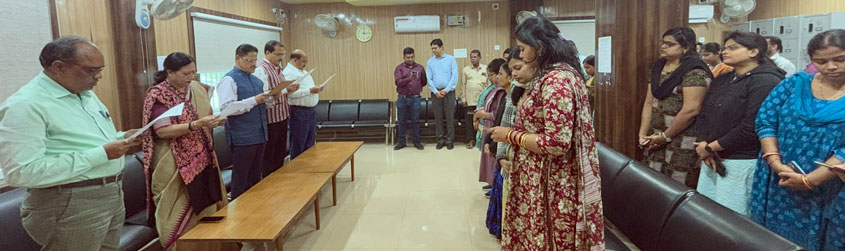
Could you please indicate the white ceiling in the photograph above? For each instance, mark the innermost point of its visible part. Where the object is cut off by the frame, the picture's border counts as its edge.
(383, 2)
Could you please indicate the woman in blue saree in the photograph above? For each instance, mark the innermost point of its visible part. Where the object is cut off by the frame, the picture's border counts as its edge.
(802, 122)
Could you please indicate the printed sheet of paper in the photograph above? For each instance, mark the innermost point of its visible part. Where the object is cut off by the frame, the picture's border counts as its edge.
(459, 53)
(173, 111)
(605, 63)
(232, 108)
(327, 81)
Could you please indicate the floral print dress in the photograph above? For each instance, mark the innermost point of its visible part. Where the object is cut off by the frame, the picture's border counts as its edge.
(554, 202)
(678, 159)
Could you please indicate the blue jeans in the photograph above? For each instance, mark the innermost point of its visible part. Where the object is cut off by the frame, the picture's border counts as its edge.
(409, 111)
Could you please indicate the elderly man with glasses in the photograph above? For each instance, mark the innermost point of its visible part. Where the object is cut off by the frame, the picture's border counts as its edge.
(59, 142)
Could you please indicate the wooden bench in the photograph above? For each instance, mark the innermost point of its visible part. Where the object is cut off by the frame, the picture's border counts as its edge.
(268, 210)
(264, 213)
(325, 157)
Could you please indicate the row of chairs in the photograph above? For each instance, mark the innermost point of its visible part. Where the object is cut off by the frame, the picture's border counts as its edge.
(658, 213)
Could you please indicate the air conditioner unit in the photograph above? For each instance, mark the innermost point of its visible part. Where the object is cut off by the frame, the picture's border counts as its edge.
(700, 13)
(416, 24)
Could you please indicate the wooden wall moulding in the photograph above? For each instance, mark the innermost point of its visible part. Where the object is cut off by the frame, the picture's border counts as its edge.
(135, 49)
(636, 27)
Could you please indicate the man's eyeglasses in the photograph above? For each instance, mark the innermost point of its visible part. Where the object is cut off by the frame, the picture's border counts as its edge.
(93, 71)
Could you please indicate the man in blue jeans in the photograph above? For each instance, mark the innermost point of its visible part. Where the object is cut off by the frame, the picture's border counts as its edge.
(410, 78)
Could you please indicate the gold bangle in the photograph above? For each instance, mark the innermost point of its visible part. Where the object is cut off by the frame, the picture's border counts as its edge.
(522, 140)
(766, 155)
(806, 182)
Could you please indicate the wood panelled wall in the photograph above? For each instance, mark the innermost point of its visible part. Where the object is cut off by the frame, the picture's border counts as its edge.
(365, 70)
(172, 35)
(784, 8)
(92, 19)
(636, 27)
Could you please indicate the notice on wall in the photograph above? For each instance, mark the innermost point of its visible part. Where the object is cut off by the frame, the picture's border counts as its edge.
(460, 53)
(160, 61)
(605, 64)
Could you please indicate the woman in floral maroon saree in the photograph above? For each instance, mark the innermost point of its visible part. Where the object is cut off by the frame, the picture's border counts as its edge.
(183, 178)
(554, 199)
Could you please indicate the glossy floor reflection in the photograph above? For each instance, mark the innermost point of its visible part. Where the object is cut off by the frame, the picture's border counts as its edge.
(401, 200)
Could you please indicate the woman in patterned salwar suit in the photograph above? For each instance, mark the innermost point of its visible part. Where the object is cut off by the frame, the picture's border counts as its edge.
(554, 202)
(183, 177)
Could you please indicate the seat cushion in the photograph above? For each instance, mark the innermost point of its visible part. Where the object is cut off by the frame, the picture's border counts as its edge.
(637, 186)
(613, 242)
(343, 110)
(134, 237)
(322, 110)
(700, 223)
(134, 185)
(221, 148)
(12, 234)
(226, 176)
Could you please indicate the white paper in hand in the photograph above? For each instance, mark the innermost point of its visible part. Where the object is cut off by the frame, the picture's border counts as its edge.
(173, 111)
(303, 77)
(232, 109)
(327, 81)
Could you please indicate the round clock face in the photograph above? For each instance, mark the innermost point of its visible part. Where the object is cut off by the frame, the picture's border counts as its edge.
(364, 33)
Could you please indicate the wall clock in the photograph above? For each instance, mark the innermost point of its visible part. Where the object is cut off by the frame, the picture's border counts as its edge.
(364, 33)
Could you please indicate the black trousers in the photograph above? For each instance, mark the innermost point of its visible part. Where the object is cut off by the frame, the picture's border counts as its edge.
(246, 167)
(277, 147)
(470, 131)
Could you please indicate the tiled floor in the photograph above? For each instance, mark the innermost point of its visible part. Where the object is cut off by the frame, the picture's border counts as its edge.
(402, 200)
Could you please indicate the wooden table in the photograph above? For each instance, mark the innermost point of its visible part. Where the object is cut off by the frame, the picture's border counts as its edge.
(325, 157)
(265, 212)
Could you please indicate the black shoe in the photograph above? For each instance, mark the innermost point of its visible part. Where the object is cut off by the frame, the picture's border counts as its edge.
(419, 146)
(487, 187)
(450, 146)
(471, 144)
(440, 145)
(487, 194)
(399, 146)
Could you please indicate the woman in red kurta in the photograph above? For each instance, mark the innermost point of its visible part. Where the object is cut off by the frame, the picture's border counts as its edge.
(554, 201)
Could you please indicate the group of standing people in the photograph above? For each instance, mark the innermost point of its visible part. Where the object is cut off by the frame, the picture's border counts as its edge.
(61, 144)
(538, 143)
(771, 142)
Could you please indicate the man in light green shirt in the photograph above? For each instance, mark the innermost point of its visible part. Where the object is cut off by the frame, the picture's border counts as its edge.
(59, 141)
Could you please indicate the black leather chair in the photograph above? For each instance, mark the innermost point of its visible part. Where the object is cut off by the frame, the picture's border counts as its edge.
(224, 156)
(221, 148)
(640, 201)
(12, 235)
(135, 190)
(322, 110)
(135, 233)
(342, 114)
(700, 223)
(373, 113)
(611, 163)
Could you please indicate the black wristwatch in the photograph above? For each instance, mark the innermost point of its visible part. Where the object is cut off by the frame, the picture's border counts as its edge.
(708, 149)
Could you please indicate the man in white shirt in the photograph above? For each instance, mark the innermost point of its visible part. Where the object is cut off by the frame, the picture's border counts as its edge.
(475, 80)
(775, 47)
(303, 117)
(246, 129)
(269, 70)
